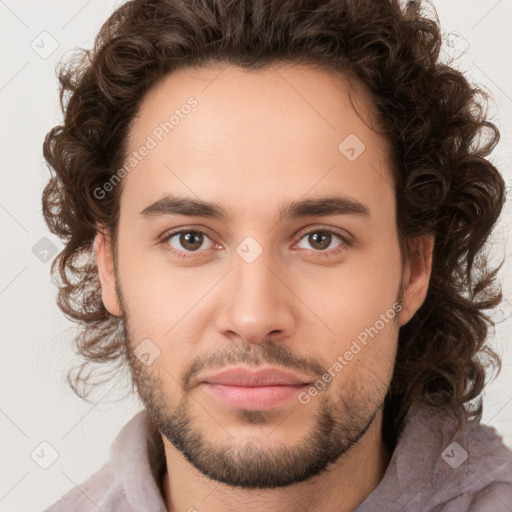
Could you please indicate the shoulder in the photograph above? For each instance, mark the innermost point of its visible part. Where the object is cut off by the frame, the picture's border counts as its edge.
(100, 492)
(129, 480)
(488, 475)
(444, 462)
(474, 472)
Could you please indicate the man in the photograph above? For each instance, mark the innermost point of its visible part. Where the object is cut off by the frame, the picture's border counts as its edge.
(286, 207)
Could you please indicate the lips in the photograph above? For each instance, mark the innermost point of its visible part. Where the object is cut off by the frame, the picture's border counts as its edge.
(249, 378)
(262, 389)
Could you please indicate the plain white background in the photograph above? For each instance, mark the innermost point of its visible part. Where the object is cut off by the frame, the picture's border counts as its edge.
(35, 404)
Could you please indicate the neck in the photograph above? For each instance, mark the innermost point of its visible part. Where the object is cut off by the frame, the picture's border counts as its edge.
(344, 486)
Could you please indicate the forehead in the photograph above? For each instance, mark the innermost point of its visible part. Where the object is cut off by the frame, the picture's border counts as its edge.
(254, 136)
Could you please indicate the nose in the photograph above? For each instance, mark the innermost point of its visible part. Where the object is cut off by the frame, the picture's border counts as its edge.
(257, 300)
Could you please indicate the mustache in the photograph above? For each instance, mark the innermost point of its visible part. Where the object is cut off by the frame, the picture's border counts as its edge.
(270, 352)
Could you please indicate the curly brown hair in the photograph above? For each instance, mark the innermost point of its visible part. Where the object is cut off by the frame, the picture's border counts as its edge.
(435, 120)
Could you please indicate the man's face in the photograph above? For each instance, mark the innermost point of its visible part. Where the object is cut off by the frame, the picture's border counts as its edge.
(312, 295)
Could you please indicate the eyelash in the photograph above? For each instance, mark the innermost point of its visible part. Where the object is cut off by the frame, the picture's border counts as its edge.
(346, 242)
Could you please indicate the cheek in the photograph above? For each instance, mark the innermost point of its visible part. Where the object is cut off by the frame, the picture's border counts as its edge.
(353, 296)
(359, 305)
(164, 306)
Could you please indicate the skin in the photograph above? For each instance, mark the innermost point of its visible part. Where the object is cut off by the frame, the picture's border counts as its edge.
(255, 141)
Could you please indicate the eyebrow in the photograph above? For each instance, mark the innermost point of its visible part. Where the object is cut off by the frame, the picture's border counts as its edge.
(313, 207)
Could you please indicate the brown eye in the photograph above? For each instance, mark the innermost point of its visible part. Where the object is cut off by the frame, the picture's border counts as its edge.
(321, 240)
(190, 240)
(186, 241)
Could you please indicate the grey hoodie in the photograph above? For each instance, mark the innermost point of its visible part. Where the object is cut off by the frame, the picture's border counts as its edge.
(439, 464)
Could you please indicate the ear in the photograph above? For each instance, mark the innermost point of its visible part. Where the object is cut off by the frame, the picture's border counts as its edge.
(105, 261)
(416, 276)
